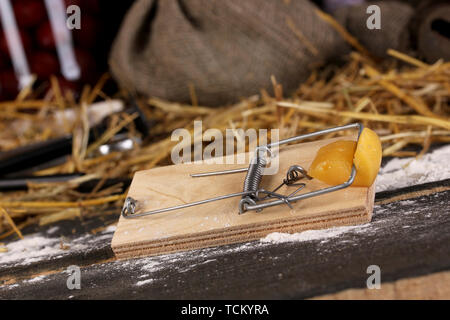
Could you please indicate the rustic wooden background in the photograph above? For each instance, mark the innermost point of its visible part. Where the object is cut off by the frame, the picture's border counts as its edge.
(408, 238)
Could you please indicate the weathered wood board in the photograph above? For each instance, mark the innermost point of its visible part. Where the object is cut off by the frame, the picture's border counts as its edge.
(408, 238)
(219, 223)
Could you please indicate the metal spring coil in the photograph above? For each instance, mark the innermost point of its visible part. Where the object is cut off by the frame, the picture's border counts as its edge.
(254, 175)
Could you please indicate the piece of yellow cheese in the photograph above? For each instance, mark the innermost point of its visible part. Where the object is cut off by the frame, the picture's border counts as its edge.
(333, 162)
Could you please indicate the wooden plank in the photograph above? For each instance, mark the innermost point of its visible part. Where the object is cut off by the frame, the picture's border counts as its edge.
(407, 239)
(219, 223)
(434, 286)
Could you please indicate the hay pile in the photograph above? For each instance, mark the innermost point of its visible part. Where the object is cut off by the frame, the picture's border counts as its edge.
(404, 100)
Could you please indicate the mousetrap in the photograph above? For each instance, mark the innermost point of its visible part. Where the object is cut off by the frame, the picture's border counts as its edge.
(190, 206)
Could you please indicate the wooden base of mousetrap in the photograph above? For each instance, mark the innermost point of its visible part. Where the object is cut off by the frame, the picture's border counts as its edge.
(218, 223)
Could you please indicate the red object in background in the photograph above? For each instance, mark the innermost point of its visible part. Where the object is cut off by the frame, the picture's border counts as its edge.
(72, 2)
(44, 64)
(3, 61)
(87, 64)
(91, 43)
(87, 35)
(29, 13)
(26, 42)
(8, 84)
(93, 6)
(44, 36)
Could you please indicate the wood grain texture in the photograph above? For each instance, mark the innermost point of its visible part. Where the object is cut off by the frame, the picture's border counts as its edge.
(407, 239)
(434, 286)
(219, 223)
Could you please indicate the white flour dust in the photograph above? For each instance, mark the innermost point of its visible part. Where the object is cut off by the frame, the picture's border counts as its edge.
(36, 279)
(310, 235)
(400, 173)
(30, 249)
(37, 247)
(110, 229)
(52, 230)
(144, 282)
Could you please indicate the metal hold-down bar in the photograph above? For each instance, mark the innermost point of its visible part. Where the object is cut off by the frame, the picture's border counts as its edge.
(218, 173)
(250, 198)
(130, 205)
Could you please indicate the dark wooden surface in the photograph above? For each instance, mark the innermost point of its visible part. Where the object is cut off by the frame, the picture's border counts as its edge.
(406, 238)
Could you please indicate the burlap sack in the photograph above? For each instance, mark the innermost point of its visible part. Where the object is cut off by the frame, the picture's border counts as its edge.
(431, 30)
(394, 32)
(226, 49)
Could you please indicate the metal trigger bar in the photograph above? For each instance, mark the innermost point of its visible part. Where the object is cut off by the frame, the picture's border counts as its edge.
(251, 199)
